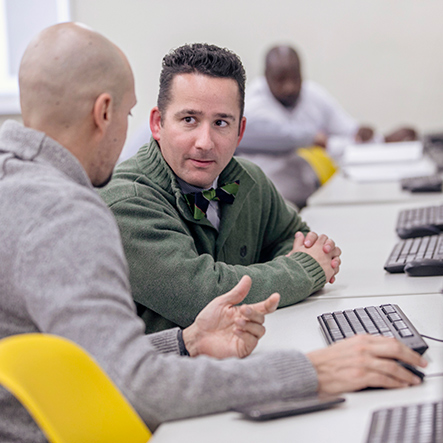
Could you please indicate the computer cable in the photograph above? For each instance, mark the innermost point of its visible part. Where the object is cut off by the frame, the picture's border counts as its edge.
(432, 338)
(438, 374)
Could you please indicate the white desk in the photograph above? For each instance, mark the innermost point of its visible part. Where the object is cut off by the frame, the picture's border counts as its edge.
(366, 236)
(297, 327)
(341, 191)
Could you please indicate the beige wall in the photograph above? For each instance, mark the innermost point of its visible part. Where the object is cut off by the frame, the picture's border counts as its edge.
(382, 59)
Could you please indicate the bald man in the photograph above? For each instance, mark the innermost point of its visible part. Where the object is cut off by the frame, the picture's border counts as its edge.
(285, 112)
(64, 272)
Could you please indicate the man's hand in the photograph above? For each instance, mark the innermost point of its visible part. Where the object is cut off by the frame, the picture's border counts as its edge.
(364, 134)
(320, 139)
(322, 249)
(401, 135)
(364, 361)
(224, 330)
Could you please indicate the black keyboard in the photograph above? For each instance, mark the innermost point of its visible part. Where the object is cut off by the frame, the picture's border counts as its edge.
(412, 423)
(388, 320)
(419, 222)
(415, 250)
(428, 183)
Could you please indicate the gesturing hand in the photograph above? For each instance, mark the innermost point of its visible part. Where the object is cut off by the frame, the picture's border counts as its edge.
(224, 330)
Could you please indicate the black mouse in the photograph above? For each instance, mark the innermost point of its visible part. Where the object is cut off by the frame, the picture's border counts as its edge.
(413, 369)
(424, 268)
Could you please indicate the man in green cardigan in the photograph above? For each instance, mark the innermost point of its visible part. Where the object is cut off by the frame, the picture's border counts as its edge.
(194, 219)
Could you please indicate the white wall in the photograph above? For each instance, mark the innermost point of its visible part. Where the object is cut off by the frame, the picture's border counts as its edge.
(382, 59)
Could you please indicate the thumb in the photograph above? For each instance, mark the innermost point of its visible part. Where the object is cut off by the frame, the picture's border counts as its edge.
(237, 294)
(271, 303)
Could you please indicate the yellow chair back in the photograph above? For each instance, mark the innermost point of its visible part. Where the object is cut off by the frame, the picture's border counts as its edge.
(320, 161)
(66, 392)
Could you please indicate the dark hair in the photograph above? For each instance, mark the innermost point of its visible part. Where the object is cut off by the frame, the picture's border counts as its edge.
(203, 59)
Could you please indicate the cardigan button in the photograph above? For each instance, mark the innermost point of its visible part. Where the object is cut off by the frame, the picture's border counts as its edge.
(243, 251)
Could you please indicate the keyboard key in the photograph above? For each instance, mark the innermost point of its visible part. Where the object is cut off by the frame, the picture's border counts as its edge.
(393, 317)
(399, 325)
(388, 309)
(405, 332)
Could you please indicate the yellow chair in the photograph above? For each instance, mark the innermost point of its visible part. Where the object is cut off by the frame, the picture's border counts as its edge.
(66, 392)
(320, 161)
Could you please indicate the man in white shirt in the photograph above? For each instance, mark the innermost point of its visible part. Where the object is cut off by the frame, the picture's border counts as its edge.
(285, 112)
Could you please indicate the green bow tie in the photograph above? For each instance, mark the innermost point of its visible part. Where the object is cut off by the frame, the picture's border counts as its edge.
(199, 201)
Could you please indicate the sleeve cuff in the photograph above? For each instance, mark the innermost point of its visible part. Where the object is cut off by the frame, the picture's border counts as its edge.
(181, 343)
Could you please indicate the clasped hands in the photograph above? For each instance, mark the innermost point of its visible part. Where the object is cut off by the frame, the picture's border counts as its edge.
(322, 249)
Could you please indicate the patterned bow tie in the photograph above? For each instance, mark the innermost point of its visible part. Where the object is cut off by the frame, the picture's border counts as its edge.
(199, 201)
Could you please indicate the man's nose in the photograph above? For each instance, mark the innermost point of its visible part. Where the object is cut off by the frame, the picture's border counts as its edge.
(204, 137)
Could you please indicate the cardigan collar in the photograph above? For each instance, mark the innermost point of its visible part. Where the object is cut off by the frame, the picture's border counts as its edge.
(151, 163)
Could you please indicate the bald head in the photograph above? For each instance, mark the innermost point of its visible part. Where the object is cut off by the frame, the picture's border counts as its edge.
(78, 88)
(63, 70)
(283, 74)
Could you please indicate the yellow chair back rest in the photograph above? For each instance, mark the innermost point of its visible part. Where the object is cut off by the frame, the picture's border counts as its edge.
(320, 161)
(66, 392)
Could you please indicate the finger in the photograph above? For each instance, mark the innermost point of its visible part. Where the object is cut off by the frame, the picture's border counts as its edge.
(381, 380)
(389, 349)
(332, 280)
(247, 343)
(249, 313)
(265, 307)
(311, 238)
(255, 329)
(393, 349)
(238, 293)
(336, 252)
(328, 246)
(335, 263)
(387, 373)
(322, 239)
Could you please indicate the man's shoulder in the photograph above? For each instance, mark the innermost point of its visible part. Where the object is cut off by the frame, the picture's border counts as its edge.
(127, 177)
(255, 174)
(143, 176)
(118, 189)
(252, 168)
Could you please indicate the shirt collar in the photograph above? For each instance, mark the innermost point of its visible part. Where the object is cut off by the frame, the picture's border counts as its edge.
(187, 188)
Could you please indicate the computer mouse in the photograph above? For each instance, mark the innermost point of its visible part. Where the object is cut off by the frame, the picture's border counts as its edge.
(424, 268)
(413, 369)
(418, 231)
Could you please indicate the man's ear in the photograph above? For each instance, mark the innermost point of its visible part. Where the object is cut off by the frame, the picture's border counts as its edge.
(241, 130)
(155, 122)
(103, 111)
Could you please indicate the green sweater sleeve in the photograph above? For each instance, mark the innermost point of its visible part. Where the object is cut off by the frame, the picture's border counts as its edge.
(171, 276)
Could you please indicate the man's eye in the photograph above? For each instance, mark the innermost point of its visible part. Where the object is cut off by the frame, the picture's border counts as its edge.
(221, 123)
(189, 119)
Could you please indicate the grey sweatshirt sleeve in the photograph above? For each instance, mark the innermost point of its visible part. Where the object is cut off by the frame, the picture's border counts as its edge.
(72, 281)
